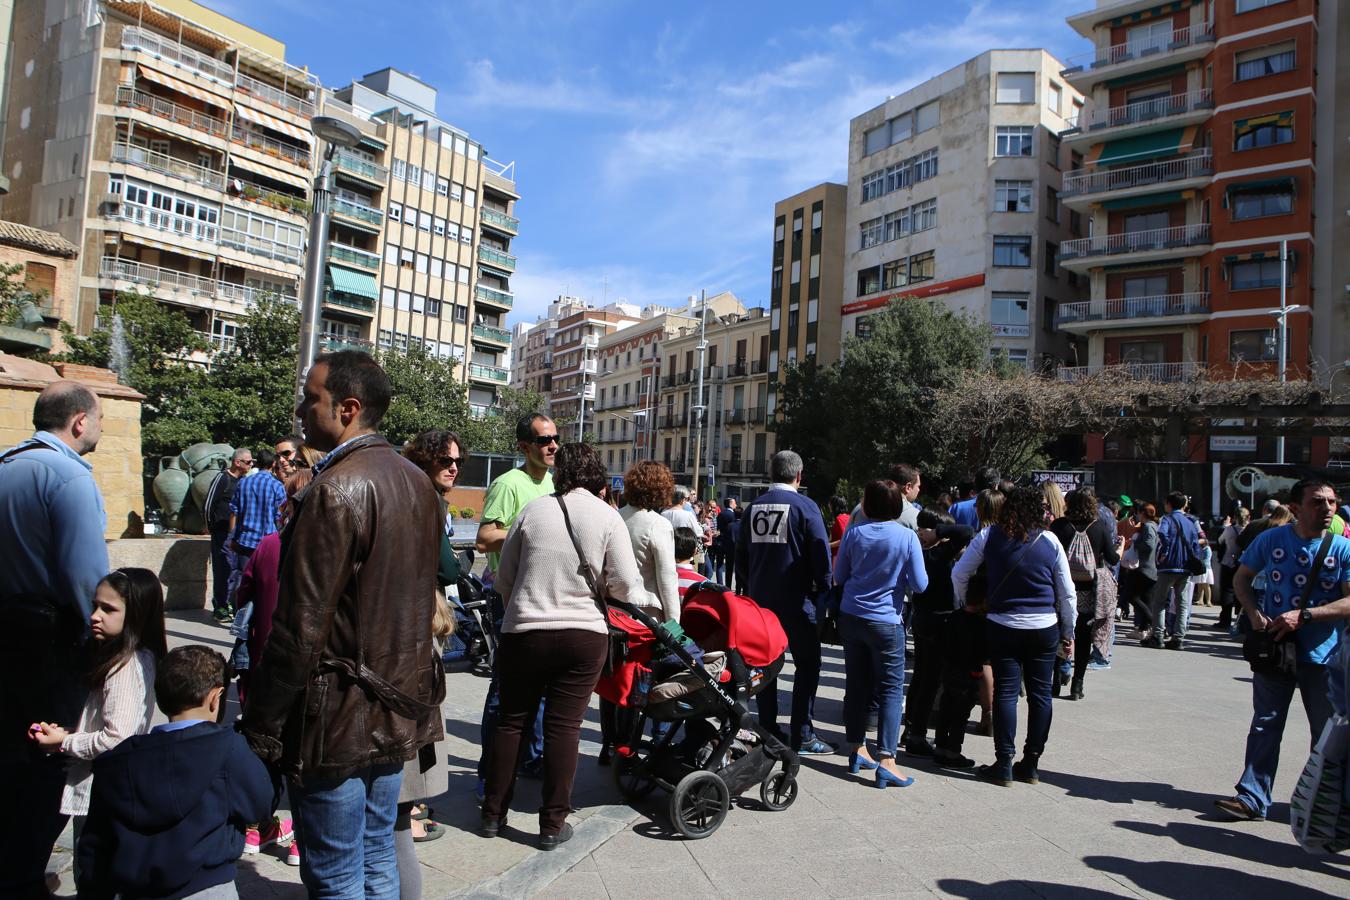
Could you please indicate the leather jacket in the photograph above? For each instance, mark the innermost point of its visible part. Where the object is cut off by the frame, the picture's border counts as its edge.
(350, 677)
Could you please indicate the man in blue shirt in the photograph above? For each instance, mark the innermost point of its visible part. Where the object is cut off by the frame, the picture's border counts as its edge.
(1285, 555)
(51, 526)
(963, 511)
(254, 508)
(1178, 541)
(783, 557)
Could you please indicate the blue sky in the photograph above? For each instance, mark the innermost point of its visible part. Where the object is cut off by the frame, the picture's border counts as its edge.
(651, 140)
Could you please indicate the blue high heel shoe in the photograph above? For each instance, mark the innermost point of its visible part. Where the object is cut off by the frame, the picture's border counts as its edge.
(856, 762)
(887, 778)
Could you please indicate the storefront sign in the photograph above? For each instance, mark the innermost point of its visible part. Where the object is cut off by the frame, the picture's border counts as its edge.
(1067, 479)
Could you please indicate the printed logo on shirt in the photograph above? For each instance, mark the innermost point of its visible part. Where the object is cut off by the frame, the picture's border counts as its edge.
(769, 523)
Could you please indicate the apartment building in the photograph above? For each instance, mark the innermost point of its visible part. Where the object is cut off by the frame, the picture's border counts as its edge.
(170, 144)
(821, 255)
(953, 193)
(576, 363)
(1209, 137)
(532, 346)
(626, 387)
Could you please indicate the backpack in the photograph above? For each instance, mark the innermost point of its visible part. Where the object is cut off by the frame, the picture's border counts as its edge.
(1082, 561)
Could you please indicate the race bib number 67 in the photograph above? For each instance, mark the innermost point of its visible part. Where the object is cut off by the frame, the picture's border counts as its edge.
(769, 523)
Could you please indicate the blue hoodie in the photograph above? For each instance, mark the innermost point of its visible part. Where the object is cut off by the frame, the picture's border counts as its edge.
(1178, 541)
(168, 812)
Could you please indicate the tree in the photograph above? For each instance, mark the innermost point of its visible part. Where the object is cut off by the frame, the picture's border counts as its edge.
(251, 397)
(427, 394)
(13, 292)
(497, 433)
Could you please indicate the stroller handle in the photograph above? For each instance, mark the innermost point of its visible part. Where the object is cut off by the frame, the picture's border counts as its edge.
(636, 612)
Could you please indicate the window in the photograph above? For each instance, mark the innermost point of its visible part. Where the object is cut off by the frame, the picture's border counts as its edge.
(778, 231)
(1142, 286)
(1261, 61)
(1015, 355)
(869, 281)
(815, 266)
(1253, 345)
(777, 278)
(1015, 87)
(1251, 274)
(877, 139)
(923, 216)
(896, 224)
(922, 267)
(438, 268)
(926, 117)
(1263, 131)
(1149, 37)
(470, 197)
(902, 128)
(1010, 314)
(420, 263)
(391, 254)
(925, 166)
(815, 219)
(1054, 99)
(796, 271)
(1052, 204)
(395, 212)
(1012, 250)
(862, 327)
(1012, 196)
(443, 187)
(461, 274)
(405, 258)
(895, 274)
(1051, 251)
(1249, 5)
(1137, 223)
(1012, 140)
(871, 233)
(899, 176)
(872, 185)
(1269, 201)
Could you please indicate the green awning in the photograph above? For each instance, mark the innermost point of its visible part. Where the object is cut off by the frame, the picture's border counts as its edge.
(358, 284)
(1143, 200)
(1141, 148)
(1263, 185)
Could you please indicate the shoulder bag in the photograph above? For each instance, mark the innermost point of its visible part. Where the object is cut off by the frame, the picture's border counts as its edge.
(616, 648)
(1268, 655)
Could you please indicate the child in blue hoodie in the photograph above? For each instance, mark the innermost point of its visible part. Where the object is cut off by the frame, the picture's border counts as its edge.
(169, 808)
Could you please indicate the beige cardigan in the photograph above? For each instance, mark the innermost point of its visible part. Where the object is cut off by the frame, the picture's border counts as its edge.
(123, 708)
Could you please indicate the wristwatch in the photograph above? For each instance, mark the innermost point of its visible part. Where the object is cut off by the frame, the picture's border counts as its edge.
(1304, 616)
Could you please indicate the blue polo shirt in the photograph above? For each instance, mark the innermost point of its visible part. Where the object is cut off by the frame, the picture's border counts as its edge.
(256, 504)
(1286, 561)
(963, 511)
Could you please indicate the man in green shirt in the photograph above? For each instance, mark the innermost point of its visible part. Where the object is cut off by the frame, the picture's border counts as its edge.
(537, 440)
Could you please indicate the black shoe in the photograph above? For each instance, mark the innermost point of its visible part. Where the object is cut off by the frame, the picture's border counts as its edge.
(488, 827)
(1176, 643)
(919, 746)
(946, 759)
(606, 754)
(1025, 769)
(1154, 643)
(551, 841)
(1076, 689)
(1238, 811)
(999, 773)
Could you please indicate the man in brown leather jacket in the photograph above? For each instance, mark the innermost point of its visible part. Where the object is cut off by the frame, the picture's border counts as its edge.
(350, 685)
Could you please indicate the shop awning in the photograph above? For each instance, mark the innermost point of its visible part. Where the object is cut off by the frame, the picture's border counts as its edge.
(272, 122)
(182, 87)
(358, 284)
(1142, 148)
(240, 161)
(1144, 200)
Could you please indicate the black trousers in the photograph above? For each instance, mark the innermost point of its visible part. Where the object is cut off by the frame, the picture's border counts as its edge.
(962, 666)
(929, 638)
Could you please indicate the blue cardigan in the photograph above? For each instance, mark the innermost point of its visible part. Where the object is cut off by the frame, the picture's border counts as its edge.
(878, 563)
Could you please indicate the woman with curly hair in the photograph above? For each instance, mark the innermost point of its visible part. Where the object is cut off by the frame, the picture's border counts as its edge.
(647, 489)
(1030, 612)
(442, 455)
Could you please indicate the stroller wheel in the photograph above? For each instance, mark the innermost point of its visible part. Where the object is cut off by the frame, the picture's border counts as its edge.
(631, 778)
(778, 791)
(699, 804)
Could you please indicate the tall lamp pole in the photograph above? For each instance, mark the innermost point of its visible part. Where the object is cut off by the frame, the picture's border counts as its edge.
(335, 133)
(698, 408)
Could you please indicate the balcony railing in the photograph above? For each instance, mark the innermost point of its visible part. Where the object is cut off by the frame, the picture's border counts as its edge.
(756, 466)
(738, 369)
(224, 343)
(1178, 39)
(481, 411)
(275, 96)
(168, 109)
(165, 164)
(351, 301)
(1117, 308)
(1092, 181)
(495, 297)
(492, 333)
(736, 416)
(354, 255)
(732, 466)
(1145, 110)
(244, 293)
(674, 419)
(757, 414)
(497, 219)
(157, 277)
(164, 221)
(333, 343)
(362, 167)
(1136, 241)
(344, 207)
(241, 240)
(497, 258)
(1181, 371)
(759, 367)
(492, 373)
(134, 38)
(272, 147)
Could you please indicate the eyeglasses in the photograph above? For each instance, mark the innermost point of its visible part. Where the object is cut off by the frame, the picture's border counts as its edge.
(446, 462)
(543, 440)
(286, 454)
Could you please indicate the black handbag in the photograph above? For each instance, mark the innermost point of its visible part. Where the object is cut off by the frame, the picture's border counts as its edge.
(1269, 655)
(616, 648)
(827, 615)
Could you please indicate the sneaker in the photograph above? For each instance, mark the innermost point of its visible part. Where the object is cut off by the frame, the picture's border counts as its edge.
(1176, 643)
(1152, 643)
(1234, 808)
(816, 747)
(1137, 635)
(1099, 666)
(278, 831)
(293, 855)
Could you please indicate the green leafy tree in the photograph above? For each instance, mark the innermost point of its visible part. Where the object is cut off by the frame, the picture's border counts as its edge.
(427, 394)
(13, 292)
(251, 397)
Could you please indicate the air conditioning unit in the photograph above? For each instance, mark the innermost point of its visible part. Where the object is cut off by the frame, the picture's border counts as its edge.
(112, 201)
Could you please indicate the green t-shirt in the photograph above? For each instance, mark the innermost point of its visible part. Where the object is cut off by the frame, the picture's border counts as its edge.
(507, 496)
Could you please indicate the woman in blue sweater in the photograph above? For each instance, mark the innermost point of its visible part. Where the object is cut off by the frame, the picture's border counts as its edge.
(879, 561)
(1030, 612)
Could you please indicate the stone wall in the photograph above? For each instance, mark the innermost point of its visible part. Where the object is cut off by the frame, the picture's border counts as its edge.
(182, 562)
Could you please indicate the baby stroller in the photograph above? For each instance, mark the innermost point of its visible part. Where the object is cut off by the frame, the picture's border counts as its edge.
(474, 638)
(695, 681)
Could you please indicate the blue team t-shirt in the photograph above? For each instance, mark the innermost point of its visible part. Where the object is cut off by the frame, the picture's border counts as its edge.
(1286, 561)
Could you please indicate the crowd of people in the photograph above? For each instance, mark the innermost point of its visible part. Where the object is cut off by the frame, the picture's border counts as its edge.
(332, 554)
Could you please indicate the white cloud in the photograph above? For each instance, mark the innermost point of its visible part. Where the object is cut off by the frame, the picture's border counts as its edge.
(484, 89)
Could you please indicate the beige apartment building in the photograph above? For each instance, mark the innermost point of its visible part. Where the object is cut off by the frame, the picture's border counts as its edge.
(532, 345)
(576, 365)
(953, 193)
(626, 387)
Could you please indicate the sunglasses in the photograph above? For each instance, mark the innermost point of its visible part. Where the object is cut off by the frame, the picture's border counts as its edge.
(286, 454)
(543, 440)
(446, 462)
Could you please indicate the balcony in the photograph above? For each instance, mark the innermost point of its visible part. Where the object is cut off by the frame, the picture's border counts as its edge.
(1137, 246)
(367, 215)
(736, 416)
(759, 367)
(332, 343)
(493, 297)
(738, 369)
(731, 466)
(1160, 309)
(249, 243)
(353, 255)
(275, 96)
(131, 98)
(361, 168)
(757, 415)
(674, 419)
(134, 38)
(756, 466)
(494, 257)
(492, 333)
(1188, 171)
(159, 279)
(184, 226)
(1162, 372)
(1083, 70)
(499, 220)
(349, 301)
(298, 156)
(677, 464)
(712, 373)
(1146, 115)
(223, 343)
(129, 154)
(496, 374)
(479, 411)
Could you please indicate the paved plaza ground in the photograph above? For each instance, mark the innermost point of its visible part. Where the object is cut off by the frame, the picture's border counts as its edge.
(1124, 809)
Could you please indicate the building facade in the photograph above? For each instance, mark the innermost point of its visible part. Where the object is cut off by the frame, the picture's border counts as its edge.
(626, 388)
(953, 193)
(532, 347)
(1199, 153)
(47, 272)
(576, 364)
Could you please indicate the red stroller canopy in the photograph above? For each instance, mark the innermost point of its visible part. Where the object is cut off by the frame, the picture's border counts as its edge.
(721, 620)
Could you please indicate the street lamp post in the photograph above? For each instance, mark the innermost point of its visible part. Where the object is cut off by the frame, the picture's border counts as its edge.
(335, 133)
(699, 407)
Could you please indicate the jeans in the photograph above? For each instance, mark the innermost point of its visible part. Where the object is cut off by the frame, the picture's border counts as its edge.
(238, 559)
(222, 567)
(1021, 655)
(1271, 696)
(874, 665)
(804, 644)
(346, 829)
(929, 635)
(1157, 604)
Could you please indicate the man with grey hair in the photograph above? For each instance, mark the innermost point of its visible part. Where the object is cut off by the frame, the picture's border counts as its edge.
(678, 513)
(217, 513)
(783, 557)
